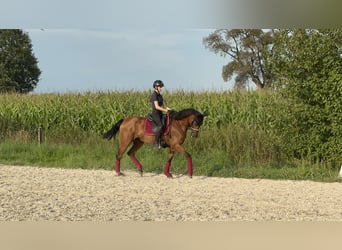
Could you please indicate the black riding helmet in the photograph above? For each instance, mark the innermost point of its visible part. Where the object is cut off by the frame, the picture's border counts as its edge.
(158, 83)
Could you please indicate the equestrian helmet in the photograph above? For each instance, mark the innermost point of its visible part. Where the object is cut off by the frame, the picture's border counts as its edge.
(158, 83)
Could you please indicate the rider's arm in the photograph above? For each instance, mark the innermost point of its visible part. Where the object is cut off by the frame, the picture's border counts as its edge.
(161, 108)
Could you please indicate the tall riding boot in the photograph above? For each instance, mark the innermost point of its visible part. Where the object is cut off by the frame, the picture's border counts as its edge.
(157, 139)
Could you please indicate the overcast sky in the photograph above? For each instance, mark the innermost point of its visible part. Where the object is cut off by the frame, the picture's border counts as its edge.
(125, 59)
(118, 45)
(124, 45)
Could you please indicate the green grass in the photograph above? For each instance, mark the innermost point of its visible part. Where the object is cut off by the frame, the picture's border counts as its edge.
(66, 156)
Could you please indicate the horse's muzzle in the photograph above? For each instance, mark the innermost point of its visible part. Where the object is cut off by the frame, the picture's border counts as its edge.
(194, 132)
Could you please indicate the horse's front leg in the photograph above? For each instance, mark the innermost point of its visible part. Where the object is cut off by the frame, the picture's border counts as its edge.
(168, 164)
(189, 161)
(188, 157)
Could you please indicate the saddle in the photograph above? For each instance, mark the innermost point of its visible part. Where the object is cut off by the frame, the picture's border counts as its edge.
(149, 126)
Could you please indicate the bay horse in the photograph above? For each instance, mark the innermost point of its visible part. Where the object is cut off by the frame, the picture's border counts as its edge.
(131, 130)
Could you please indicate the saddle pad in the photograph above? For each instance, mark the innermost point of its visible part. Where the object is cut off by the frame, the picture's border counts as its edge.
(148, 127)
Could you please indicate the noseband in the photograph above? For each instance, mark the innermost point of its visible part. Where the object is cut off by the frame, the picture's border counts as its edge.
(192, 123)
(194, 129)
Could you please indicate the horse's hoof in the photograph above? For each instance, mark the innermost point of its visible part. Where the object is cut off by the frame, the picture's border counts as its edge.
(120, 174)
(190, 176)
(141, 173)
(168, 175)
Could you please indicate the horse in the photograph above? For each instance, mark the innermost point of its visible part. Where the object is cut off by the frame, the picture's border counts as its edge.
(131, 130)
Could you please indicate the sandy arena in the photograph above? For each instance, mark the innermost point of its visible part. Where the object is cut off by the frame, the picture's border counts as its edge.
(50, 194)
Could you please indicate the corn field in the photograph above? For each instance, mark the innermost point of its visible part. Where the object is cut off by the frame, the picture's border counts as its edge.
(95, 112)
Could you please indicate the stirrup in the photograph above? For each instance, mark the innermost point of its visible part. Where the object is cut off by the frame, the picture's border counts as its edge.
(157, 145)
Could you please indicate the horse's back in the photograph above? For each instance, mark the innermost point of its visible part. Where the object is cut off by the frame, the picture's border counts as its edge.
(133, 121)
(133, 128)
(134, 124)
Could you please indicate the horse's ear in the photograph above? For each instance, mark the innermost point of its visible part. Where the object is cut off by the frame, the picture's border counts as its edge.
(205, 113)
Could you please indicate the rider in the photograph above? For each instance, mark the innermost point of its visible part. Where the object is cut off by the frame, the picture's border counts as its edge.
(158, 107)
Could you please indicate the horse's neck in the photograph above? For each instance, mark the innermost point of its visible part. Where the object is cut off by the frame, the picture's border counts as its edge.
(184, 123)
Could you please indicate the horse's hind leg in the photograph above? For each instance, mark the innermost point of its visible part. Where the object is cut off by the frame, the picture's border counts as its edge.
(122, 148)
(136, 145)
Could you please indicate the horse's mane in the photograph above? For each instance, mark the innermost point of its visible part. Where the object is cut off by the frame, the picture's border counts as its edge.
(185, 113)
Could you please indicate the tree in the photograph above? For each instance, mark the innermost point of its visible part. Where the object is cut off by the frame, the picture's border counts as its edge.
(248, 49)
(19, 70)
(307, 64)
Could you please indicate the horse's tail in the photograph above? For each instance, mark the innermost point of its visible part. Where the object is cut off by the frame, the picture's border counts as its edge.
(112, 132)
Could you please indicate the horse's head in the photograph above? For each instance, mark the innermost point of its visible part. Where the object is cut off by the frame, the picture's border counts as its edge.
(197, 123)
(191, 119)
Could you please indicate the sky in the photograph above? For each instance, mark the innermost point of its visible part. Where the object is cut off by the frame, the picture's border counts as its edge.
(126, 45)
(118, 45)
(73, 60)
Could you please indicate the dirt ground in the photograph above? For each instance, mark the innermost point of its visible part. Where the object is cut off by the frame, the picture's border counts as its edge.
(52, 194)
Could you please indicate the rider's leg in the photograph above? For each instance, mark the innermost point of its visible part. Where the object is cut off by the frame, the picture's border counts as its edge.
(157, 136)
(159, 125)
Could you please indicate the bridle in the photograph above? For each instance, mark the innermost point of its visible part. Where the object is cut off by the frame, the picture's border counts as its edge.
(192, 123)
(194, 129)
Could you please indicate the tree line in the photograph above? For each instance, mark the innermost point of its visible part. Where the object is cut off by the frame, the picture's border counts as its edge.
(304, 66)
(275, 58)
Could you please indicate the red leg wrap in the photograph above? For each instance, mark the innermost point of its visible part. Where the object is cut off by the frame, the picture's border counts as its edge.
(117, 167)
(136, 163)
(190, 171)
(167, 169)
